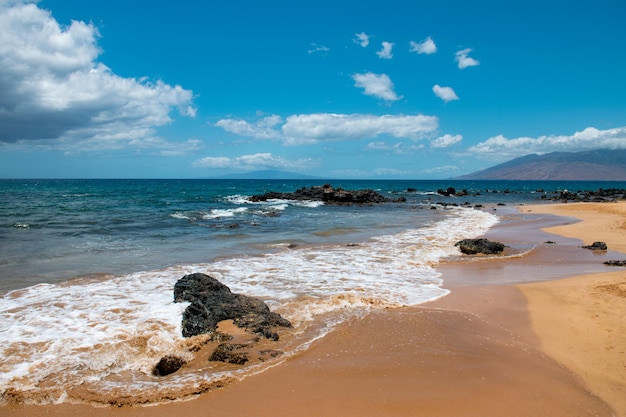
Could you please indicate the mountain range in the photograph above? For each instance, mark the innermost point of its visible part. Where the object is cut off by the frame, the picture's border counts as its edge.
(596, 165)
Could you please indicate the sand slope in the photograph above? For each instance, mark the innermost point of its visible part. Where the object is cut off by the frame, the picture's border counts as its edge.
(582, 321)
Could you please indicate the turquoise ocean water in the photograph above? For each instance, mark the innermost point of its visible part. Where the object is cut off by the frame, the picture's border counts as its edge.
(87, 267)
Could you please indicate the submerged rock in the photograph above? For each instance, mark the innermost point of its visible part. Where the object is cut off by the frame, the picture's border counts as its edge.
(230, 353)
(474, 246)
(212, 302)
(596, 246)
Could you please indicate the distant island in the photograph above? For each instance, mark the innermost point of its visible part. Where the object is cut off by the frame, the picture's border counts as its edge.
(596, 165)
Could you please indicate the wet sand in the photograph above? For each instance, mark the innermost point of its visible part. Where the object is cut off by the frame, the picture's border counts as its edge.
(484, 350)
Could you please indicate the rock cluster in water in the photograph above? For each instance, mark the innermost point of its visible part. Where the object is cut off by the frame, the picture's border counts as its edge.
(329, 195)
(212, 302)
(599, 196)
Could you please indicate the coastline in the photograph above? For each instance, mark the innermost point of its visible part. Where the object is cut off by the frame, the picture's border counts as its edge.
(477, 351)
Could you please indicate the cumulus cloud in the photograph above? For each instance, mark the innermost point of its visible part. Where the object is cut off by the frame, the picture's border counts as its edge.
(385, 52)
(445, 141)
(54, 89)
(253, 161)
(445, 93)
(427, 46)
(464, 61)
(303, 129)
(376, 85)
(500, 147)
(362, 39)
(262, 129)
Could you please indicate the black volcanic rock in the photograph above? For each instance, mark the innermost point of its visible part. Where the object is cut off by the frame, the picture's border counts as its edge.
(484, 246)
(168, 365)
(596, 246)
(329, 195)
(212, 302)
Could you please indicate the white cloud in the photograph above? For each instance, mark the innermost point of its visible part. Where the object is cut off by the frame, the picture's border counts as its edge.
(385, 52)
(318, 48)
(53, 88)
(427, 46)
(253, 161)
(307, 128)
(362, 39)
(499, 147)
(464, 61)
(445, 93)
(446, 141)
(377, 85)
(317, 127)
(262, 129)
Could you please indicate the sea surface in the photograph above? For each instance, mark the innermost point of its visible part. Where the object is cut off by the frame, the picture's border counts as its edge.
(87, 267)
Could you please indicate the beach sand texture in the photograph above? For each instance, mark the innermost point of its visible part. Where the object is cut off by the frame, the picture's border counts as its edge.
(483, 350)
(581, 321)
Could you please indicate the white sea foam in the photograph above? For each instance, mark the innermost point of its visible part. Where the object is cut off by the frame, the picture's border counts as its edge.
(219, 213)
(84, 331)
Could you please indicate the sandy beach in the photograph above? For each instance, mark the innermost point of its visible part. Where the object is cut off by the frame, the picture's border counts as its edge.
(491, 348)
(580, 321)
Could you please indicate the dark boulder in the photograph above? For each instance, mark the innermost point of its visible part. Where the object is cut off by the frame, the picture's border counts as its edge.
(484, 246)
(616, 263)
(168, 365)
(596, 246)
(212, 302)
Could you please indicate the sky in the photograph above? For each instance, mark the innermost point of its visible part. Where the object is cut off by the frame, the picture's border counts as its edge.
(363, 89)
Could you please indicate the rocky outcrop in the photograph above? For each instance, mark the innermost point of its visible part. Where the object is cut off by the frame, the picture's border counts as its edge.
(596, 246)
(615, 263)
(599, 196)
(451, 191)
(475, 246)
(329, 195)
(212, 302)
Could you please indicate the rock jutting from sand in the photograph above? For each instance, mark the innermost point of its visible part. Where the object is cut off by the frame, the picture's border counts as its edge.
(168, 365)
(212, 302)
(596, 246)
(329, 195)
(616, 263)
(475, 246)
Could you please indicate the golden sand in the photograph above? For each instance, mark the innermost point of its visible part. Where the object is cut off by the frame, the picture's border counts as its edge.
(581, 321)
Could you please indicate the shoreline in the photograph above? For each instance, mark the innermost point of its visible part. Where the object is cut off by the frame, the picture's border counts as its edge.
(478, 351)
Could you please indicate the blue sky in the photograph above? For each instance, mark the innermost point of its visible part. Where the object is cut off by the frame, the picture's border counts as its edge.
(338, 89)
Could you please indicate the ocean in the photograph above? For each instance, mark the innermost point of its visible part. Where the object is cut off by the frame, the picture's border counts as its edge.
(87, 268)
